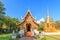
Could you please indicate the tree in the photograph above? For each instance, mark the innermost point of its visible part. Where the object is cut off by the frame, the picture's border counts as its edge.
(2, 13)
(2, 10)
(13, 23)
(41, 27)
(6, 22)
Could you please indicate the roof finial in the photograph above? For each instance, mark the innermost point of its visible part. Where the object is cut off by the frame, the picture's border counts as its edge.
(48, 13)
(28, 10)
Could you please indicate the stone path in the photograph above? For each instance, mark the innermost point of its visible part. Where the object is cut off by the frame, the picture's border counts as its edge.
(27, 38)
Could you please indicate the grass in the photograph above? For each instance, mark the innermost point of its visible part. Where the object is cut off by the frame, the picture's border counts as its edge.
(55, 37)
(50, 38)
(6, 37)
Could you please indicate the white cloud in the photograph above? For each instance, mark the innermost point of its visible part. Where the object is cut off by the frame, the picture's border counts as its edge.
(21, 17)
(41, 20)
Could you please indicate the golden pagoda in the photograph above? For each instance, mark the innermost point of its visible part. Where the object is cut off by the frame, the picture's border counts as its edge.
(49, 25)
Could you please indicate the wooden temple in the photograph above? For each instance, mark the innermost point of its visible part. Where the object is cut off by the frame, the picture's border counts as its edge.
(28, 22)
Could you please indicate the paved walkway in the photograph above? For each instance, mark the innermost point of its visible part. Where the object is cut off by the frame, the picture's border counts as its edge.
(52, 33)
(27, 38)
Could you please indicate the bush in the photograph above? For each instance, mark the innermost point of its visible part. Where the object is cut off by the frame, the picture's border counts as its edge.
(17, 35)
(40, 28)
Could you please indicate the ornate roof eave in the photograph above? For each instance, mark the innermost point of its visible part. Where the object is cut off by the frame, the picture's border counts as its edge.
(26, 15)
(37, 23)
(20, 23)
(23, 22)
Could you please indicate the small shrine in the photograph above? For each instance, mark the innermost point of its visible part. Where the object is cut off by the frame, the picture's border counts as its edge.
(49, 25)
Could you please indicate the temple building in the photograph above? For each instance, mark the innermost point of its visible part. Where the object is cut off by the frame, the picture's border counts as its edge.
(49, 25)
(28, 23)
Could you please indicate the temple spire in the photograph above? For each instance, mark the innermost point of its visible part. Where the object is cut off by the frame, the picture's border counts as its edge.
(28, 10)
(48, 13)
(48, 16)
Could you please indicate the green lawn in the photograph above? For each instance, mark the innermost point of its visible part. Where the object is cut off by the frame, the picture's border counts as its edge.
(6, 37)
(50, 38)
(55, 37)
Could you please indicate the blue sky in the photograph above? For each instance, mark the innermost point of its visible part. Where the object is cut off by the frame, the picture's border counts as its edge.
(38, 8)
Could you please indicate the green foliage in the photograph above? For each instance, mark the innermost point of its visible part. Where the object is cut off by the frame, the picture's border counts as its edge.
(2, 9)
(41, 27)
(7, 37)
(4, 26)
(1, 22)
(7, 22)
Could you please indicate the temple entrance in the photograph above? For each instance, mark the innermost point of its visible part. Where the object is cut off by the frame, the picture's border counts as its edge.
(28, 26)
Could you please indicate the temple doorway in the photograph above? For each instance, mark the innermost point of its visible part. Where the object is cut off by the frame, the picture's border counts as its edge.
(28, 27)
